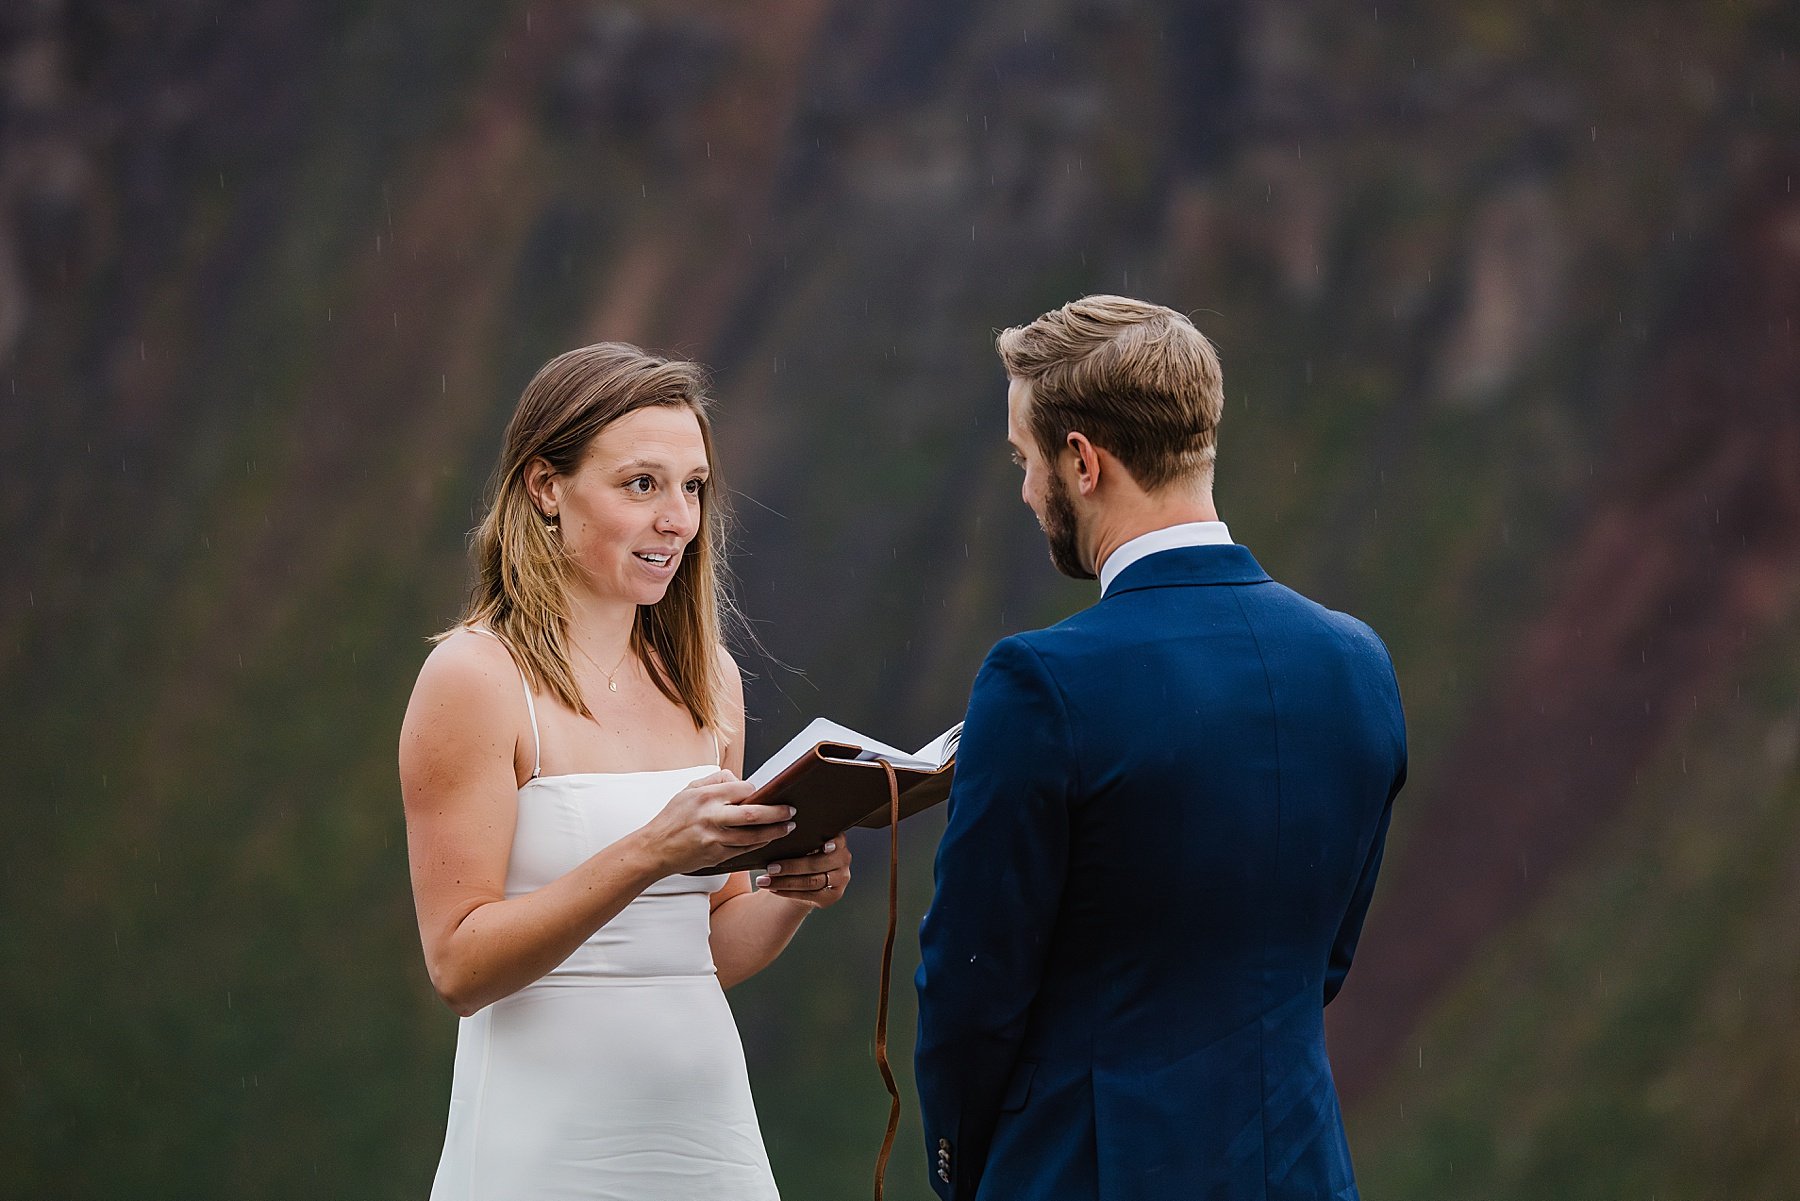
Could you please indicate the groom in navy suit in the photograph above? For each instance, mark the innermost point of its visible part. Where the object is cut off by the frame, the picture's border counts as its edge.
(1166, 822)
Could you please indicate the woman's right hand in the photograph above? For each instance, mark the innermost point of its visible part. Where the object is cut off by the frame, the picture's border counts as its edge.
(707, 823)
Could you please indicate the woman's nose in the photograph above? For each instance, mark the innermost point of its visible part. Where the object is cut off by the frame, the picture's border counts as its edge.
(680, 517)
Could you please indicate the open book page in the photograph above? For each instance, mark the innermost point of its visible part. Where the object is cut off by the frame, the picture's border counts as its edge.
(929, 757)
(942, 749)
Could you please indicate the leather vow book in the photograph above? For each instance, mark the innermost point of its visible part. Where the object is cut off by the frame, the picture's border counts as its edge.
(833, 778)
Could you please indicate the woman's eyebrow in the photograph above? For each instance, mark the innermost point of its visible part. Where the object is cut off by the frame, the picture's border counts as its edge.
(657, 465)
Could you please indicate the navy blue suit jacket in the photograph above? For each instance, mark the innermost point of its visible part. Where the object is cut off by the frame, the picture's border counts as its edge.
(1166, 822)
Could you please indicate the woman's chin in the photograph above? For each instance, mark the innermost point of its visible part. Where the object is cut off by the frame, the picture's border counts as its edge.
(640, 592)
(650, 592)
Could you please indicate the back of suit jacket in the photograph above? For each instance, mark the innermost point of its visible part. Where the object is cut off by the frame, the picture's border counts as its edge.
(1165, 829)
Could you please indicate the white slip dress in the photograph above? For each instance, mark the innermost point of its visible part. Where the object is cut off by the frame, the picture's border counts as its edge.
(619, 1075)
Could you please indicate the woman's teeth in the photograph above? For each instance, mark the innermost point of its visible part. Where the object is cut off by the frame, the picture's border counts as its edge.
(659, 560)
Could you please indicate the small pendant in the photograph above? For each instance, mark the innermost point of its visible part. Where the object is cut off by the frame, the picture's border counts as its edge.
(612, 685)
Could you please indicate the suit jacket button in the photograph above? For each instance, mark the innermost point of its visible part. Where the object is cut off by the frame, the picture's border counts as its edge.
(943, 1144)
(944, 1175)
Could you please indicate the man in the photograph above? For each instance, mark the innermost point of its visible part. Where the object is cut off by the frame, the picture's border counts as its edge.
(1166, 822)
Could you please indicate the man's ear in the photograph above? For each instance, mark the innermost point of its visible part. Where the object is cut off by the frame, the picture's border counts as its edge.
(1087, 463)
(541, 485)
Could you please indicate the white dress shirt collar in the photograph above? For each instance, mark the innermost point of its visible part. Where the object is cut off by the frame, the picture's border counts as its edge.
(1192, 533)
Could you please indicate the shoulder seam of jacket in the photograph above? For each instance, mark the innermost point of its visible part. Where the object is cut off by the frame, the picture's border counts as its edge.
(1062, 705)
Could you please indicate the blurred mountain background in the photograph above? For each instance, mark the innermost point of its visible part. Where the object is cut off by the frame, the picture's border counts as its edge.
(1505, 294)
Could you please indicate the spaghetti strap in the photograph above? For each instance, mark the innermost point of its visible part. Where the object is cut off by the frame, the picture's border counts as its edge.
(537, 742)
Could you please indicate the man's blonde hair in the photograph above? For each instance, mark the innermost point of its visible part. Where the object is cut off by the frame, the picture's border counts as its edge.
(1137, 379)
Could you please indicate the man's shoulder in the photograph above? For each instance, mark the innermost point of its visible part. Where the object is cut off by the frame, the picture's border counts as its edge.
(1268, 602)
(1049, 641)
(1353, 633)
(1060, 651)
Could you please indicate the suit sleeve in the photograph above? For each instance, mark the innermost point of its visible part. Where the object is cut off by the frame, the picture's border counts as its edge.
(1343, 947)
(1000, 872)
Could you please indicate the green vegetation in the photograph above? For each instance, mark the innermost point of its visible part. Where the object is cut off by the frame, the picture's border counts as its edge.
(1625, 1040)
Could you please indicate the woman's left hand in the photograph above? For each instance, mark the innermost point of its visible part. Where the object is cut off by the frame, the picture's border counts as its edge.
(819, 879)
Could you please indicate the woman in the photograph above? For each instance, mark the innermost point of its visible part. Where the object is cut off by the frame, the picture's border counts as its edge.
(571, 750)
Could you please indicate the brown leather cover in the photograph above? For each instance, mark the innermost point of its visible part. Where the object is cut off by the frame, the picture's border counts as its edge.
(831, 791)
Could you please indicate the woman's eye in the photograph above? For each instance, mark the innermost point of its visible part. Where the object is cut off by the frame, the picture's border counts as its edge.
(1018, 460)
(696, 487)
(640, 485)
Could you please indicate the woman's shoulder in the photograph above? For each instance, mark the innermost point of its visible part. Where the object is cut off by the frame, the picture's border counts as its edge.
(470, 666)
(465, 706)
(731, 676)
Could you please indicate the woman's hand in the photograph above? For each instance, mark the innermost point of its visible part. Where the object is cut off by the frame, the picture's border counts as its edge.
(819, 879)
(707, 823)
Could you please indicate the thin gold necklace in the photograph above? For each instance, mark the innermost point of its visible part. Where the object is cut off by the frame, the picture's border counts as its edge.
(611, 685)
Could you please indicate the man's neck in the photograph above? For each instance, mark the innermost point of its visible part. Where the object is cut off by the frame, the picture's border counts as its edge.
(1122, 523)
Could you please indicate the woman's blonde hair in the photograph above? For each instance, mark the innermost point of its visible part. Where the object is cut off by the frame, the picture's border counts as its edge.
(522, 575)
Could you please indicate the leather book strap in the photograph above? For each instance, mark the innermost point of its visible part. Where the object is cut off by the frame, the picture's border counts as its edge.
(887, 965)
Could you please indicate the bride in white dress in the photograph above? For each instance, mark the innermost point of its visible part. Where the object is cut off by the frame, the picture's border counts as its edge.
(572, 748)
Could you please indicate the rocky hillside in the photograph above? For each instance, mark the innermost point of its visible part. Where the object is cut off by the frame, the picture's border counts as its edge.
(1505, 295)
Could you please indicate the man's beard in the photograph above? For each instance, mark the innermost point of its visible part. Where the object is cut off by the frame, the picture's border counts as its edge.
(1060, 528)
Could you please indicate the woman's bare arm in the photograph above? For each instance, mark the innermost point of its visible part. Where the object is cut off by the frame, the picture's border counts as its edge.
(457, 752)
